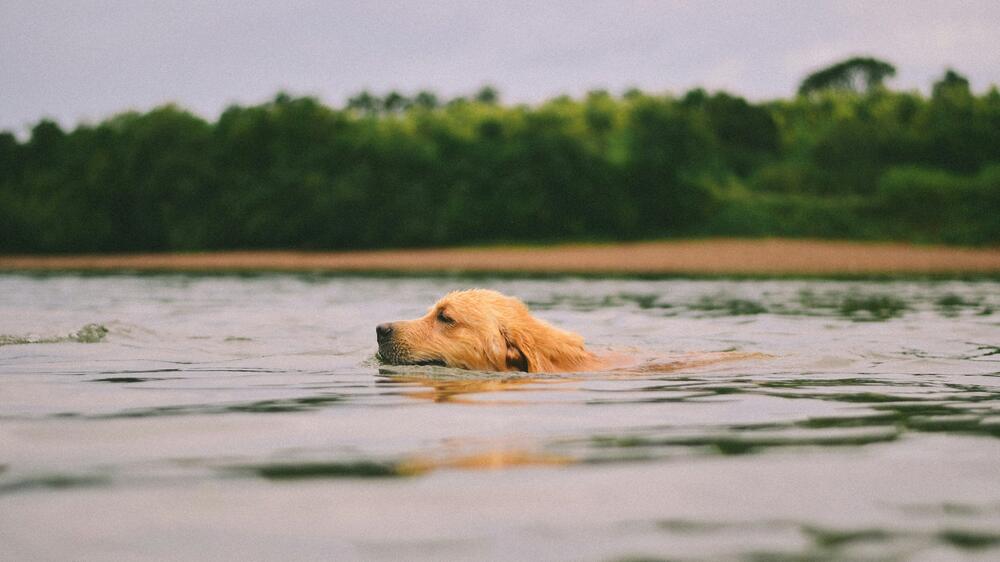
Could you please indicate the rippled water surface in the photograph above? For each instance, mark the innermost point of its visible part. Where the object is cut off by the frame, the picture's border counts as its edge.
(180, 417)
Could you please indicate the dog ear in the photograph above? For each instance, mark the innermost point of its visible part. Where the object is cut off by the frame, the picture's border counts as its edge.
(561, 351)
(516, 360)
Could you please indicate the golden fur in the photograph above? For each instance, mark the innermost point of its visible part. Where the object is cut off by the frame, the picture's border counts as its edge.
(484, 330)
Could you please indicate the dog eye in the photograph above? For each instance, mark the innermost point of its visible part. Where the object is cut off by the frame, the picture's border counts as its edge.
(442, 317)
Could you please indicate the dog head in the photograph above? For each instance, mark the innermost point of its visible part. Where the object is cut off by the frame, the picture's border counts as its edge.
(484, 330)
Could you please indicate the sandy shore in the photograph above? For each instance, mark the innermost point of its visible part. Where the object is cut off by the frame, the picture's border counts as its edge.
(699, 257)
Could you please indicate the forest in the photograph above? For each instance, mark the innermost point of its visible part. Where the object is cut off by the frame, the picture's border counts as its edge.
(845, 157)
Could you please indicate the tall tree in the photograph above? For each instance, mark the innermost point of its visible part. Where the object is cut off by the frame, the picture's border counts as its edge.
(951, 82)
(857, 74)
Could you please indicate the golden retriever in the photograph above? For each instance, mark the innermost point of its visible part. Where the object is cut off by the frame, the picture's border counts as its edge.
(484, 330)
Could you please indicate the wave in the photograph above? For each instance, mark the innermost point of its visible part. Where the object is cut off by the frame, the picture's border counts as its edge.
(89, 333)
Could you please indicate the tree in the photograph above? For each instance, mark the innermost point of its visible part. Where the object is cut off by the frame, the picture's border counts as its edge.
(426, 99)
(958, 138)
(747, 134)
(667, 149)
(857, 74)
(488, 94)
(364, 102)
(395, 102)
(951, 82)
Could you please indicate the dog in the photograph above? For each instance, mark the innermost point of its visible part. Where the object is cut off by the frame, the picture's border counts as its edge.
(483, 330)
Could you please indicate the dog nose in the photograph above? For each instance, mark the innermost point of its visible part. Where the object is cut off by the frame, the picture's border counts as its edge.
(383, 331)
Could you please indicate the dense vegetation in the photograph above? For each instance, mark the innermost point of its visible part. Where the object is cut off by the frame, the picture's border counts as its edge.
(846, 158)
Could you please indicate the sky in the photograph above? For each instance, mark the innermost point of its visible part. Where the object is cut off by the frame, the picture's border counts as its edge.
(85, 60)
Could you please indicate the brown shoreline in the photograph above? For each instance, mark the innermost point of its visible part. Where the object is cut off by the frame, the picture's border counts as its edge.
(695, 257)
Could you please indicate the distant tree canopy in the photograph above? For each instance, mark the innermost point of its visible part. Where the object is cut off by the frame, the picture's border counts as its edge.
(487, 94)
(951, 82)
(857, 74)
(398, 170)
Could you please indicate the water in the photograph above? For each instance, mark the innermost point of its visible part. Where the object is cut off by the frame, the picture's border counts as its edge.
(179, 417)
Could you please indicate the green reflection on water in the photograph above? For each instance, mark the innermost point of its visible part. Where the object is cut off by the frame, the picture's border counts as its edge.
(53, 482)
(296, 471)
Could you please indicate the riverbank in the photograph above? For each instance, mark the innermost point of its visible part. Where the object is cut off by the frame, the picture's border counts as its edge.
(696, 257)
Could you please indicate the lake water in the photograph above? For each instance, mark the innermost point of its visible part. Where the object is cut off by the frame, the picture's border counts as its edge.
(243, 417)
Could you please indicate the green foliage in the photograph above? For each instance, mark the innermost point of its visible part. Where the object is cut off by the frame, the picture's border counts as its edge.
(488, 94)
(397, 171)
(857, 74)
(934, 205)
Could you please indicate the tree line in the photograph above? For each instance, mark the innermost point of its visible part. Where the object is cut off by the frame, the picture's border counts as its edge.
(845, 158)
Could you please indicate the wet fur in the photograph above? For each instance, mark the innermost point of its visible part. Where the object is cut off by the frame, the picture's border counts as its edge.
(483, 330)
(479, 329)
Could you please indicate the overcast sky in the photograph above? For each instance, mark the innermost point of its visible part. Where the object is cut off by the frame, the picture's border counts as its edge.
(76, 60)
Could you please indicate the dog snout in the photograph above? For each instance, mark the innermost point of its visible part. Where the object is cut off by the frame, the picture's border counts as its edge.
(383, 332)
